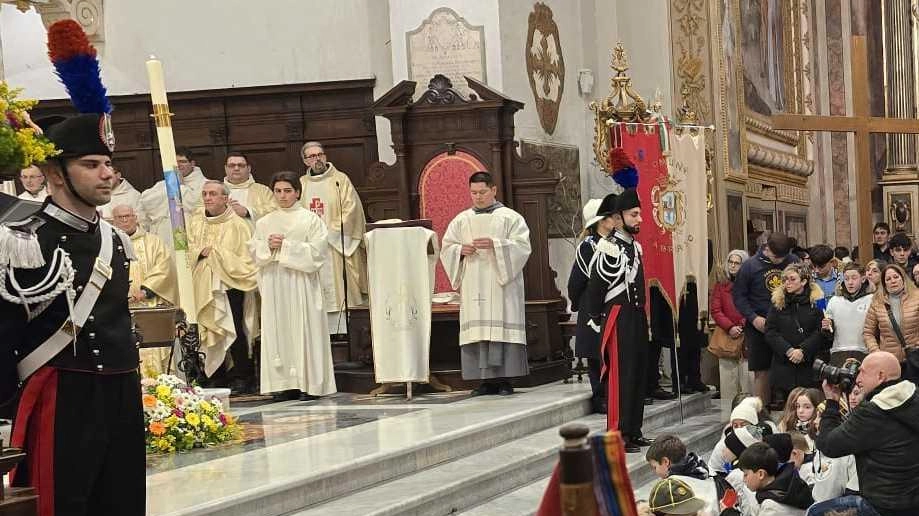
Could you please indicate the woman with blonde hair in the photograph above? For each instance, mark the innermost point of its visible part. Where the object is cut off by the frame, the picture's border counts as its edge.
(873, 273)
(732, 368)
(892, 323)
(793, 331)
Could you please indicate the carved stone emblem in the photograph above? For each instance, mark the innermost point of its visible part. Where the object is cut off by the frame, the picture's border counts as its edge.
(545, 65)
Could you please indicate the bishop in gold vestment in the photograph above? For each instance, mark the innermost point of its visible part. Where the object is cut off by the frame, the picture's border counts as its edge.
(223, 273)
(328, 193)
(153, 279)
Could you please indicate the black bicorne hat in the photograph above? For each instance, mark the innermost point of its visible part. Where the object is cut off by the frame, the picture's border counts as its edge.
(608, 206)
(81, 135)
(627, 200)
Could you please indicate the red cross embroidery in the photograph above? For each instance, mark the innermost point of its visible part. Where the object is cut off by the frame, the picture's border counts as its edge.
(317, 206)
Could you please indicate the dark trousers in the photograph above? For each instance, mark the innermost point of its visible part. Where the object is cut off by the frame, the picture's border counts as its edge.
(597, 386)
(632, 339)
(690, 353)
(661, 337)
(99, 450)
(243, 365)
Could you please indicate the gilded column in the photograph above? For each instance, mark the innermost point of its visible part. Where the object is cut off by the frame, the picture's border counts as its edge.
(899, 83)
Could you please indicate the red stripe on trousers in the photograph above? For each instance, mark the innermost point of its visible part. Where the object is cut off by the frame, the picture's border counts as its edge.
(34, 432)
(609, 347)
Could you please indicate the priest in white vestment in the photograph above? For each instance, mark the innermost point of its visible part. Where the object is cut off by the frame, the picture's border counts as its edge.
(250, 200)
(224, 278)
(289, 247)
(328, 193)
(484, 251)
(33, 184)
(153, 280)
(123, 193)
(155, 205)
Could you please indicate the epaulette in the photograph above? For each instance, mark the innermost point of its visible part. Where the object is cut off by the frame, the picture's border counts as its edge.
(19, 247)
(609, 248)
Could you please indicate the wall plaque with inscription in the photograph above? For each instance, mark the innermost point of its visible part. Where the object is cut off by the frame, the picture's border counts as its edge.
(445, 43)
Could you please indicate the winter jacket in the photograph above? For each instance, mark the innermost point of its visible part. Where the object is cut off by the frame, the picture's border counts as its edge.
(747, 503)
(694, 472)
(722, 308)
(879, 334)
(830, 477)
(883, 434)
(848, 313)
(794, 323)
(756, 280)
(787, 495)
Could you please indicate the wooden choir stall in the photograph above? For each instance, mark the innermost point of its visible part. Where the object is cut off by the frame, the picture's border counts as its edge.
(440, 139)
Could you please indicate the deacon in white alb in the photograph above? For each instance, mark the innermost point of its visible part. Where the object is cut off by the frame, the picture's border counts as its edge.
(484, 251)
(289, 247)
(123, 193)
(155, 206)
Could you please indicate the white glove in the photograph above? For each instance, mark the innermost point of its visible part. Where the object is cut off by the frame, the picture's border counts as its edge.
(594, 326)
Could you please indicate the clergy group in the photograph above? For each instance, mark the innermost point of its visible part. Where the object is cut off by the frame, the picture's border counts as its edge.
(273, 267)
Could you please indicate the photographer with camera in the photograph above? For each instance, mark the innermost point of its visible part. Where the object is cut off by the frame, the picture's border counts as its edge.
(882, 432)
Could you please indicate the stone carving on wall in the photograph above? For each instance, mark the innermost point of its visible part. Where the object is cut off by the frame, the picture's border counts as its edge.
(545, 65)
(88, 13)
(562, 161)
(445, 43)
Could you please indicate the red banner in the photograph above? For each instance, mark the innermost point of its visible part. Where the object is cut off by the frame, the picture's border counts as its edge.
(642, 144)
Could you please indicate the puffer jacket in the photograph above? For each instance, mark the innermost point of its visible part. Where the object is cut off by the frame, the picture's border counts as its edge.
(883, 434)
(794, 323)
(879, 334)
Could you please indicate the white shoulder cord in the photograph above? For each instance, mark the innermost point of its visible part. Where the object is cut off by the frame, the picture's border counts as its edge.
(58, 279)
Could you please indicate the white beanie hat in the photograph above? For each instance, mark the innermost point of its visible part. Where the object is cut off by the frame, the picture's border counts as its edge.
(748, 410)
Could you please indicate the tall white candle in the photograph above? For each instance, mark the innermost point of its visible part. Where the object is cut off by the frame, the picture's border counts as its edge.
(157, 83)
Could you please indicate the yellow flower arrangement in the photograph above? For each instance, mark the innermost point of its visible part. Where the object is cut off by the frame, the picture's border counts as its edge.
(177, 418)
(21, 141)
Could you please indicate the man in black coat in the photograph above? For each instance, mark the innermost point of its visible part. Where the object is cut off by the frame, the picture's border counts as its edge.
(69, 340)
(615, 301)
(600, 220)
(882, 433)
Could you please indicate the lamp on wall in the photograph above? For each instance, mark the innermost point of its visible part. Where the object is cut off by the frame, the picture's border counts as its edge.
(25, 5)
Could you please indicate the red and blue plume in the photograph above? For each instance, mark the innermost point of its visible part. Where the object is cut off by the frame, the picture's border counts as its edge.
(74, 59)
(622, 169)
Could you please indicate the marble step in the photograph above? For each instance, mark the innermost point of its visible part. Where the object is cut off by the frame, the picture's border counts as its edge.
(700, 433)
(465, 482)
(287, 477)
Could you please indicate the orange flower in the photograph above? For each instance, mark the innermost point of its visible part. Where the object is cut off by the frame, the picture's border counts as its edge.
(149, 400)
(157, 428)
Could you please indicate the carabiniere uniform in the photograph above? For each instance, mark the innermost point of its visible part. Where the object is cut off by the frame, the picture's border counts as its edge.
(616, 304)
(79, 415)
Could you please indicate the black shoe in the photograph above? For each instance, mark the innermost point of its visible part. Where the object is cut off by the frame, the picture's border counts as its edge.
(285, 395)
(661, 394)
(632, 448)
(699, 387)
(641, 441)
(485, 389)
(307, 397)
(649, 401)
(599, 406)
(505, 389)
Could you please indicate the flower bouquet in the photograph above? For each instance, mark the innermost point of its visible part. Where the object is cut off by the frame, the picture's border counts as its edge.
(21, 141)
(178, 418)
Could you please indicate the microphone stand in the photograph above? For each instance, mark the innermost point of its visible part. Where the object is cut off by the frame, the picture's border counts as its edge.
(344, 263)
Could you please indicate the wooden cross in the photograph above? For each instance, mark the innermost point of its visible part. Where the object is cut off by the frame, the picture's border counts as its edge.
(863, 125)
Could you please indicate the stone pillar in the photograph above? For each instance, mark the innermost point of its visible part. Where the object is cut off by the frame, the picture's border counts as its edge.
(900, 83)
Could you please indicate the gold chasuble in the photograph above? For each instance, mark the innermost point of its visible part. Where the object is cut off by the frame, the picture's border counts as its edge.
(227, 266)
(332, 197)
(256, 197)
(154, 270)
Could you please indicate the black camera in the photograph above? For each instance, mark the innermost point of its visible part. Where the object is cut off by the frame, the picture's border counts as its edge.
(843, 377)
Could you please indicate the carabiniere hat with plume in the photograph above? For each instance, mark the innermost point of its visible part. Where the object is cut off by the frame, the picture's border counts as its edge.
(625, 174)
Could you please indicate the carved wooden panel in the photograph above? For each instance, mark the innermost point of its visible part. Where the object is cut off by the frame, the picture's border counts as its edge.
(268, 123)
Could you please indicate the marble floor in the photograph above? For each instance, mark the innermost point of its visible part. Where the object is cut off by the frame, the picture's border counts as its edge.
(299, 444)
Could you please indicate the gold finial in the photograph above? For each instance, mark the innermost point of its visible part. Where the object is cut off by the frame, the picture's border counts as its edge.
(623, 104)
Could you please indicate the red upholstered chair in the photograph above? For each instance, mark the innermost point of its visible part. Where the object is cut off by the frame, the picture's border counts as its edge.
(443, 189)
